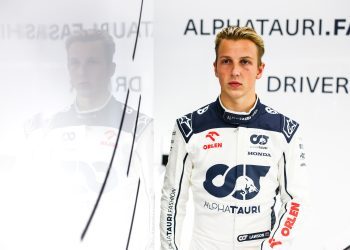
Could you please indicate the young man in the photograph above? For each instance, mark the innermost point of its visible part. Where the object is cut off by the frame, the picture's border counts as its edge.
(91, 67)
(79, 144)
(237, 155)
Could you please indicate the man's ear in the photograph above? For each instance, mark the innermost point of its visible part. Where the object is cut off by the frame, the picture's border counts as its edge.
(215, 68)
(112, 69)
(260, 71)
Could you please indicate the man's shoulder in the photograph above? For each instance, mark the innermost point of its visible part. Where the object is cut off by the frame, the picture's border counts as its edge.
(108, 116)
(199, 120)
(143, 120)
(38, 121)
(63, 117)
(272, 120)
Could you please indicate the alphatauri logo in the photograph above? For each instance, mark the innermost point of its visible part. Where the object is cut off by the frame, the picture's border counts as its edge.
(242, 181)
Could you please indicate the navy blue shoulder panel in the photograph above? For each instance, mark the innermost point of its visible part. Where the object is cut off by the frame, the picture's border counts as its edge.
(200, 120)
(108, 116)
(185, 126)
(213, 116)
(271, 120)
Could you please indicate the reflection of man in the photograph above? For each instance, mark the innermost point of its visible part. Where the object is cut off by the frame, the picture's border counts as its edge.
(90, 65)
(79, 142)
(236, 155)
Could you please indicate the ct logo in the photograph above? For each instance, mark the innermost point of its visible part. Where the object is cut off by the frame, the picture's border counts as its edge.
(202, 110)
(242, 238)
(259, 139)
(271, 111)
(242, 182)
(68, 136)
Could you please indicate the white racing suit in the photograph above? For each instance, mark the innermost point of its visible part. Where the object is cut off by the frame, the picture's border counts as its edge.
(72, 161)
(236, 164)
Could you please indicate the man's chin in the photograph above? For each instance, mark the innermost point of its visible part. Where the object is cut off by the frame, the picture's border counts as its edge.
(87, 93)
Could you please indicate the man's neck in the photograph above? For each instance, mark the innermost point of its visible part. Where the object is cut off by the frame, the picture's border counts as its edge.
(86, 103)
(239, 105)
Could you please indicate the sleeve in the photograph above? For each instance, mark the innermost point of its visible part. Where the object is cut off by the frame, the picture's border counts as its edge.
(147, 177)
(143, 168)
(174, 192)
(294, 193)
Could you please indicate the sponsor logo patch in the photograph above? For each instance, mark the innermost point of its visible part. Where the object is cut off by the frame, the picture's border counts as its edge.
(259, 139)
(68, 136)
(253, 236)
(242, 181)
(109, 138)
(203, 110)
(233, 118)
(224, 208)
(212, 136)
(259, 154)
(271, 111)
(288, 224)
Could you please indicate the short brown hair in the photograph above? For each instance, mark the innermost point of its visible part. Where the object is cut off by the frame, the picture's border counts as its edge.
(240, 33)
(91, 35)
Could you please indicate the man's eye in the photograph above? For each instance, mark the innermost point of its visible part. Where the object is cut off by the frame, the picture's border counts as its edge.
(92, 61)
(225, 61)
(245, 62)
(74, 62)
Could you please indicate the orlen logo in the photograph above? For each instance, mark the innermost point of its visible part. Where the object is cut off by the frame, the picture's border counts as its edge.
(259, 139)
(242, 181)
(211, 135)
(110, 136)
(288, 224)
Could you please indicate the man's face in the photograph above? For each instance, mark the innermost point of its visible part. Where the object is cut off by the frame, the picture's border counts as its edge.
(237, 69)
(89, 69)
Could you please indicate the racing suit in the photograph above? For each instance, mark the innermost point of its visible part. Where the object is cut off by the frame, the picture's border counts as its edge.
(76, 151)
(236, 164)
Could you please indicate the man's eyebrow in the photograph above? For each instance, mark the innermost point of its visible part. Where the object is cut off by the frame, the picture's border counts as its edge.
(242, 57)
(246, 57)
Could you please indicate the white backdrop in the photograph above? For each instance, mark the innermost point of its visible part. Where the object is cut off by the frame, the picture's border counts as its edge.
(316, 54)
(34, 79)
(181, 40)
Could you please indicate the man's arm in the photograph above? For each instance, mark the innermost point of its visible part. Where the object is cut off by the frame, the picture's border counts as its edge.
(143, 161)
(294, 195)
(174, 192)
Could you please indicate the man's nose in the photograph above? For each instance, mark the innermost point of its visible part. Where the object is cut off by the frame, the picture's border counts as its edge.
(236, 71)
(82, 69)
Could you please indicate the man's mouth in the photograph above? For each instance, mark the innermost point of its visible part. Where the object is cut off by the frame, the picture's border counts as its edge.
(235, 84)
(83, 83)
